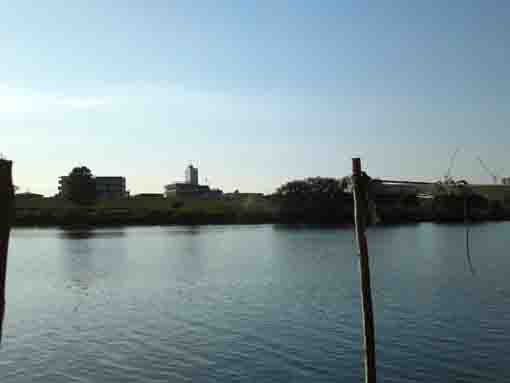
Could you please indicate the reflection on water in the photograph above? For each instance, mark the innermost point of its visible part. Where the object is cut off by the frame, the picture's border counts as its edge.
(77, 260)
(254, 304)
(184, 230)
(89, 232)
(186, 255)
(83, 255)
(307, 227)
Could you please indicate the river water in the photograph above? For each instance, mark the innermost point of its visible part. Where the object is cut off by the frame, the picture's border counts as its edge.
(255, 304)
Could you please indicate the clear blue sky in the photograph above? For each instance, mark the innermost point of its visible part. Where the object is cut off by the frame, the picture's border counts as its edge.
(254, 93)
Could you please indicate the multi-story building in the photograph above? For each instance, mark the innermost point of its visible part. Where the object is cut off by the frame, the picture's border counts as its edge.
(63, 187)
(110, 187)
(106, 187)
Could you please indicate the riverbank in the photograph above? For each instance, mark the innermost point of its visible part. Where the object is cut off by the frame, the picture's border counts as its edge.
(165, 211)
(143, 211)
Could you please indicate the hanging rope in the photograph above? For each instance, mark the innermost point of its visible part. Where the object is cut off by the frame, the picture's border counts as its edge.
(466, 225)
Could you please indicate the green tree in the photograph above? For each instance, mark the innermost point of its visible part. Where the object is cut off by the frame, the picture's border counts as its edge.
(313, 200)
(82, 186)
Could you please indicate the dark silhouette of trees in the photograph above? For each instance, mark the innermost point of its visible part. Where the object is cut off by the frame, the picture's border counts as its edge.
(82, 186)
(314, 200)
(451, 206)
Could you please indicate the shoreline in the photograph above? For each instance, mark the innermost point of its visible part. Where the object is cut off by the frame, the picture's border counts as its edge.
(53, 212)
(148, 223)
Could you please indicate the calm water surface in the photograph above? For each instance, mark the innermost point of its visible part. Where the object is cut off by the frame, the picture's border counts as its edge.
(255, 304)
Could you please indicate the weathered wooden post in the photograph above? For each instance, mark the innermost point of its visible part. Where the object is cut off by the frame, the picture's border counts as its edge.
(360, 189)
(6, 211)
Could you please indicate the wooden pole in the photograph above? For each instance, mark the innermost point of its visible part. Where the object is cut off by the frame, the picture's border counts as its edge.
(6, 210)
(360, 215)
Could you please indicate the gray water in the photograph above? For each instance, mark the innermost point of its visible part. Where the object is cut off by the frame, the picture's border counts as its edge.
(255, 304)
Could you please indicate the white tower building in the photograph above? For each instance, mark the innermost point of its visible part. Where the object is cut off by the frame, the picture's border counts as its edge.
(191, 175)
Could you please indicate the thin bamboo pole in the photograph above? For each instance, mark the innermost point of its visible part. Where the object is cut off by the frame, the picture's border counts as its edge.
(360, 215)
(6, 205)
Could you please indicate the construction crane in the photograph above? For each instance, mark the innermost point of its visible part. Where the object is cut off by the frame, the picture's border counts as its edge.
(448, 185)
(448, 177)
(486, 168)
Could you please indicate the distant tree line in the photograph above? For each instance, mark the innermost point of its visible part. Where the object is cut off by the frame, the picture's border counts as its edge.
(314, 200)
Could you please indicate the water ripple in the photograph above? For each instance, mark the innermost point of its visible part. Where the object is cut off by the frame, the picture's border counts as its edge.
(252, 304)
